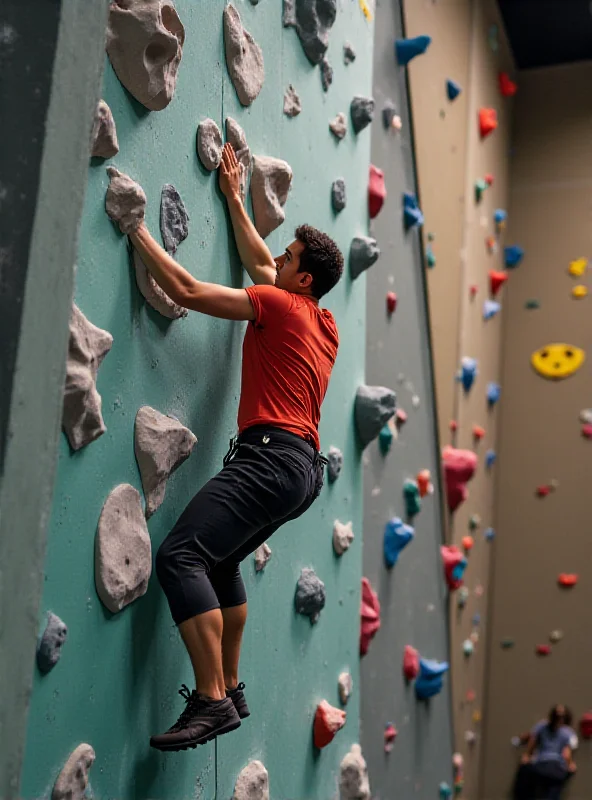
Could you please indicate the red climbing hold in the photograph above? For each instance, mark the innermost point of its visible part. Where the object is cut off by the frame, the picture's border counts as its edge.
(391, 302)
(543, 491)
(424, 482)
(478, 432)
(507, 86)
(543, 650)
(453, 425)
(496, 281)
(491, 244)
(328, 720)
(489, 179)
(400, 417)
(459, 468)
(471, 695)
(370, 616)
(586, 725)
(473, 289)
(452, 558)
(487, 121)
(390, 734)
(587, 430)
(410, 663)
(376, 191)
(567, 579)
(468, 543)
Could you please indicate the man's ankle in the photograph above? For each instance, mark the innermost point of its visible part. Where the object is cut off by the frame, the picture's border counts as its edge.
(230, 683)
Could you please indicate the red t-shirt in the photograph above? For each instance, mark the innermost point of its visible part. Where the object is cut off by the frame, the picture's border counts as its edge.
(288, 354)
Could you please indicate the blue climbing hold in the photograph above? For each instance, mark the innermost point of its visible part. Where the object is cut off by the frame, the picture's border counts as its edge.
(513, 255)
(397, 535)
(494, 391)
(489, 534)
(430, 679)
(406, 49)
(445, 791)
(412, 215)
(476, 618)
(468, 372)
(490, 458)
(459, 570)
(385, 438)
(453, 89)
(490, 309)
(500, 216)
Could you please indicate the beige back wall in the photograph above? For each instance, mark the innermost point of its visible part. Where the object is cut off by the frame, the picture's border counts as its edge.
(540, 439)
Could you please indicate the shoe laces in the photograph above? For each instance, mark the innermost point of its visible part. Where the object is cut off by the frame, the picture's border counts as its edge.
(238, 688)
(191, 700)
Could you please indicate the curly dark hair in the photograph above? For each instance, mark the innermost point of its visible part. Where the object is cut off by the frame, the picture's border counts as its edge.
(321, 258)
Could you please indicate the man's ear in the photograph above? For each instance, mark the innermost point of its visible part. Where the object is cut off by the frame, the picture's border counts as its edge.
(305, 280)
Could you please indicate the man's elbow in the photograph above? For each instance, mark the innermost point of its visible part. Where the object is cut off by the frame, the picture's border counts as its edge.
(266, 276)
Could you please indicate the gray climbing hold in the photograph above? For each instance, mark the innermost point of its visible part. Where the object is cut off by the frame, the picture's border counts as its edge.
(262, 556)
(334, 463)
(374, 406)
(145, 43)
(270, 185)
(244, 57)
(353, 777)
(345, 685)
(88, 345)
(252, 783)
(349, 54)
(123, 554)
(292, 104)
(310, 595)
(326, 74)
(362, 112)
(125, 201)
(338, 196)
(338, 126)
(174, 219)
(161, 445)
(103, 138)
(209, 144)
(235, 136)
(73, 779)
(363, 252)
(312, 20)
(49, 648)
(153, 294)
(343, 536)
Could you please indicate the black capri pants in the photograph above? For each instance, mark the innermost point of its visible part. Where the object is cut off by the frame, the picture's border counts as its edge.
(270, 476)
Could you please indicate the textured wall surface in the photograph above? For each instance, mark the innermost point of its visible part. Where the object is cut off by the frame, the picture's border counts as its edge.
(116, 682)
(412, 594)
(550, 216)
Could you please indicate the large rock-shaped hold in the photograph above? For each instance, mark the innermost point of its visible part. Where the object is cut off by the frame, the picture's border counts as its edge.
(88, 345)
(73, 779)
(343, 536)
(430, 679)
(145, 44)
(374, 406)
(125, 201)
(151, 291)
(103, 138)
(174, 219)
(369, 616)
(353, 777)
(123, 554)
(252, 783)
(376, 191)
(270, 185)
(334, 463)
(161, 445)
(312, 20)
(244, 57)
(328, 720)
(363, 252)
(235, 136)
(209, 144)
(459, 468)
(362, 112)
(49, 649)
(310, 595)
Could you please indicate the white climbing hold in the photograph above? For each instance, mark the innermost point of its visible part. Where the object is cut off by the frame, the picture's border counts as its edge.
(49, 649)
(209, 144)
(586, 416)
(338, 126)
(153, 294)
(252, 783)
(125, 201)
(123, 553)
(262, 556)
(235, 136)
(343, 536)
(244, 57)
(73, 779)
(345, 685)
(161, 444)
(270, 185)
(292, 104)
(103, 138)
(353, 778)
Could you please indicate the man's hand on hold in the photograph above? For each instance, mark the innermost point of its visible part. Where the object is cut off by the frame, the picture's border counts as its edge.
(230, 174)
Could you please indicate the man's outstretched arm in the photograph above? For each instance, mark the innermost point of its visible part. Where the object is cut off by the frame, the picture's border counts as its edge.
(183, 288)
(254, 253)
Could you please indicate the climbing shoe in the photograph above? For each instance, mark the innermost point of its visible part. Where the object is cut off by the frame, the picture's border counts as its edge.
(238, 698)
(201, 721)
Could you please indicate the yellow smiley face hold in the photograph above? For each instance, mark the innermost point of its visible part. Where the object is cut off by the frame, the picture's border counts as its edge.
(556, 361)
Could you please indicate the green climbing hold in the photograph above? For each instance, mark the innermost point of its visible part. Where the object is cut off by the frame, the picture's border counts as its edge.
(480, 186)
(431, 237)
(507, 643)
(474, 522)
(430, 257)
(530, 304)
(385, 439)
(411, 495)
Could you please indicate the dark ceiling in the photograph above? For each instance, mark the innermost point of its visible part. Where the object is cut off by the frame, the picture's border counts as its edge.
(544, 33)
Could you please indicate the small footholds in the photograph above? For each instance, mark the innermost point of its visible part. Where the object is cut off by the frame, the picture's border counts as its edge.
(349, 54)
(471, 695)
(400, 417)
(578, 267)
(326, 74)
(543, 650)
(587, 430)
(567, 580)
(366, 10)
(555, 636)
(262, 556)
(480, 187)
(470, 737)
(338, 126)
(586, 416)
(506, 85)
(473, 289)
(390, 734)
(532, 304)
(476, 618)
(507, 644)
(444, 791)
(578, 292)
(463, 596)
(478, 433)
(407, 49)
(468, 543)
(345, 686)
(454, 564)
(362, 112)
(309, 599)
(513, 255)
(334, 463)
(369, 616)
(479, 590)
(338, 195)
(49, 649)
(500, 217)
(376, 191)
(453, 425)
(489, 178)
(343, 536)
(487, 121)
(430, 257)
(469, 369)
(292, 104)
(468, 647)
(410, 663)
(493, 37)
(491, 245)
(459, 468)
(391, 302)
(424, 482)
(104, 142)
(453, 89)
(489, 534)
(363, 253)
(490, 309)
(490, 458)
(390, 118)
(496, 280)
(397, 536)
(327, 722)
(429, 682)
(412, 216)
(493, 393)
(411, 497)
(385, 438)
(586, 725)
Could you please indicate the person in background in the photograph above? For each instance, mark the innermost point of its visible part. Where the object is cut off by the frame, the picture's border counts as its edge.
(548, 762)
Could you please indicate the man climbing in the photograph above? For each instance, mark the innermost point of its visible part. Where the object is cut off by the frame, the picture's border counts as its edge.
(273, 470)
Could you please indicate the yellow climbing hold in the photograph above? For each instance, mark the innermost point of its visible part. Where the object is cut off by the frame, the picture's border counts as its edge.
(579, 291)
(366, 9)
(556, 361)
(578, 267)
(476, 716)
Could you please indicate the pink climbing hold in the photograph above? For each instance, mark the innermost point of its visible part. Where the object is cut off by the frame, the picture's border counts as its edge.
(489, 179)
(370, 616)
(376, 191)
(473, 289)
(487, 121)
(400, 417)
(507, 86)
(543, 491)
(471, 695)
(543, 650)
(328, 720)
(410, 663)
(391, 302)
(587, 430)
(459, 468)
(390, 734)
(454, 562)
(453, 425)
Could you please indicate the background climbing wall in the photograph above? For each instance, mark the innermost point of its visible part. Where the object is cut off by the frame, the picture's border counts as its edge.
(469, 47)
(412, 594)
(117, 679)
(550, 215)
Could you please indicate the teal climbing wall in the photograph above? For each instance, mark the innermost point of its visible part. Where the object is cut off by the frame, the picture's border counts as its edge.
(116, 682)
